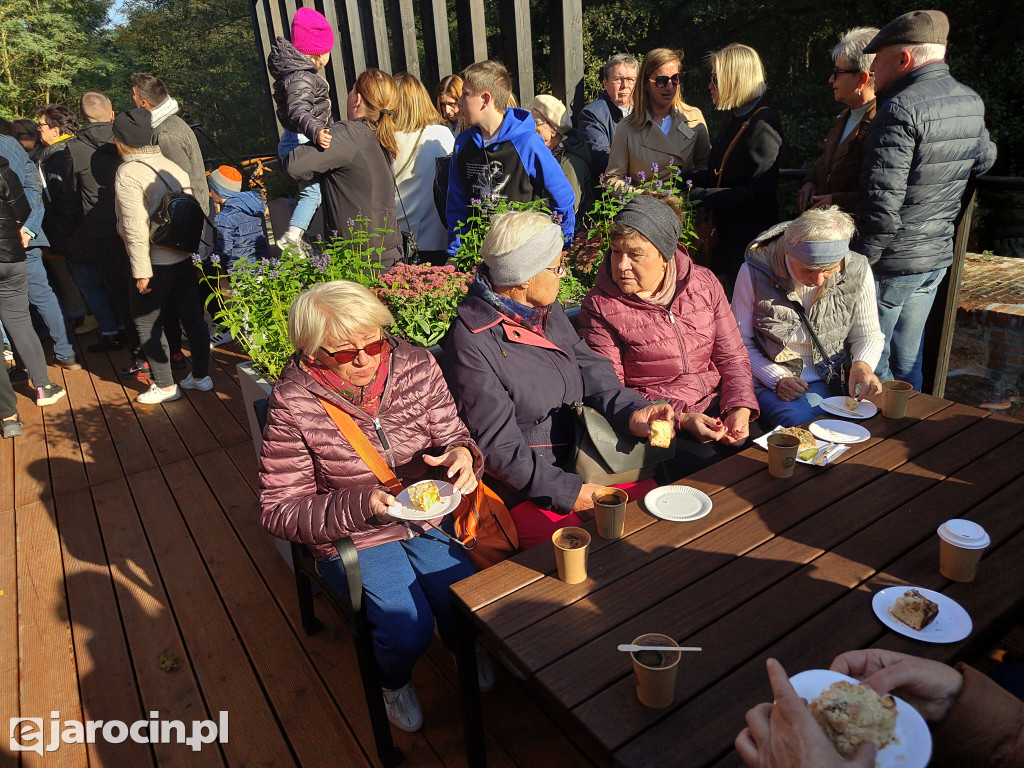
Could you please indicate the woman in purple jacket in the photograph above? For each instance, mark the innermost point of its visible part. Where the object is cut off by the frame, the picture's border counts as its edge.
(666, 326)
(315, 488)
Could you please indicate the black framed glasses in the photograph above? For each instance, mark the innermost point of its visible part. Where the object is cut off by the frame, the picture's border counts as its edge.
(662, 80)
(836, 72)
(346, 356)
(560, 271)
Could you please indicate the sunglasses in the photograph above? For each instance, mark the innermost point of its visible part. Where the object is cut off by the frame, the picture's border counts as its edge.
(662, 80)
(346, 356)
(836, 72)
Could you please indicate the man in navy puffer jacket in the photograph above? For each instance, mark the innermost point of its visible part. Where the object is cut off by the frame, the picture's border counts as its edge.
(927, 140)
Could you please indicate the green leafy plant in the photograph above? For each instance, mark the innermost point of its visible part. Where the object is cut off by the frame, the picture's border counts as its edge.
(473, 231)
(256, 294)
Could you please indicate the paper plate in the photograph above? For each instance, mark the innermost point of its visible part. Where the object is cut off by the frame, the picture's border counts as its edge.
(835, 453)
(450, 499)
(951, 625)
(913, 745)
(677, 503)
(837, 405)
(836, 431)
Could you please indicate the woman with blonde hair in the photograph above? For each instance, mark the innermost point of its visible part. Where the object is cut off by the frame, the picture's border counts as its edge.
(448, 93)
(315, 487)
(357, 181)
(661, 128)
(740, 187)
(422, 139)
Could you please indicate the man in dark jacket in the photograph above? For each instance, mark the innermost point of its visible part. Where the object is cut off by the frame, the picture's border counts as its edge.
(927, 140)
(599, 119)
(96, 252)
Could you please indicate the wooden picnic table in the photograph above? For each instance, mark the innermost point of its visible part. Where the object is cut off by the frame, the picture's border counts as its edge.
(779, 568)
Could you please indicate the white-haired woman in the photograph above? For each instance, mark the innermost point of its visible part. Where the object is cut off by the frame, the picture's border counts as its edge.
(662, 129)
(516, 367)
(801, 276)
(740, 187)
(835, 178)
(315, 487)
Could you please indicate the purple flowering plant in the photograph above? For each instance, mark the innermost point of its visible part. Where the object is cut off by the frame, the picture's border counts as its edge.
(588, 249)
(257, 294)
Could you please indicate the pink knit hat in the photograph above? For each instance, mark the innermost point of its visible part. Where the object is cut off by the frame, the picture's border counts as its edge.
(311, 34)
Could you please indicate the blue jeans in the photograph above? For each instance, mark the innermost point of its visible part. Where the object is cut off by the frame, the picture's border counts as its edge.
(405, 584)
(308, 199)
(42, 297)
(904, 302)
(775, 413)
(90, 282)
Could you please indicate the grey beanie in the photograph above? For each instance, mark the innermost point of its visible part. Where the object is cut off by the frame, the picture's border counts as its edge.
(522, 264)
(655, 220)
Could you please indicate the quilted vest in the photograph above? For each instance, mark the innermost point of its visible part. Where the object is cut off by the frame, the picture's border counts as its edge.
(775, 319)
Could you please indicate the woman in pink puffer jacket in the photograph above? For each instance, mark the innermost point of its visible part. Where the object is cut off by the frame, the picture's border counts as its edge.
(665, 324)
(315, 488)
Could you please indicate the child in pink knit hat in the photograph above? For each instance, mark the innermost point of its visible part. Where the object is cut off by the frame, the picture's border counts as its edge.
(303, 101)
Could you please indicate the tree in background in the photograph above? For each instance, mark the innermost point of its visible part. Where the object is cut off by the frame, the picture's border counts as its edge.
(47, 47)
(205, 51)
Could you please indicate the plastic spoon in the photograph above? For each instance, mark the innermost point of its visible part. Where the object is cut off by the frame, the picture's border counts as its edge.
(627, 648)
(813, 399)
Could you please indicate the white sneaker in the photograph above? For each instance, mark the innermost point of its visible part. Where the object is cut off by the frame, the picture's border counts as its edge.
(220, 336)
(403, 708)
(204, 384)
(155, 395)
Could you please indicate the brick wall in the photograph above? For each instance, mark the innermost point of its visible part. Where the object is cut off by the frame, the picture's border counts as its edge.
(992, 297)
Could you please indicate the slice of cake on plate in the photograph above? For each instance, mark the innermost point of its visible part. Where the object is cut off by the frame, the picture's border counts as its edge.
(914, 609)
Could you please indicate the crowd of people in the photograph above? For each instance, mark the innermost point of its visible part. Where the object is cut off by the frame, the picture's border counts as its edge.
(721, 347)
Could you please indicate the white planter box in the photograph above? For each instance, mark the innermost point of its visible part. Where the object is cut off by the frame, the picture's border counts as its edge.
(255, 388)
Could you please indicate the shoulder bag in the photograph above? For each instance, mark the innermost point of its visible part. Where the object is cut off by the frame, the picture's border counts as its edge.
(607, 458)
(410, 250)
(483, 526)
(707, 232)
(835, 370)
(178, 222)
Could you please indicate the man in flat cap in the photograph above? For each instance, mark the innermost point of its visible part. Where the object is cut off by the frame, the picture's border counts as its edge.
(927, 140)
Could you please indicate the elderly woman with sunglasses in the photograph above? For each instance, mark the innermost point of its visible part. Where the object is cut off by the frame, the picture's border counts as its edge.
(661, 130)
(516, 367)
(835, 178)
(316, 488)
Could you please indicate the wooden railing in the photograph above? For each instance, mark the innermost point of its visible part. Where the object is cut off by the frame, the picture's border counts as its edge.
(372, 34)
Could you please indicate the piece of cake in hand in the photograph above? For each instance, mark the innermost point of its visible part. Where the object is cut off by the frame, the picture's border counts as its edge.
(851, 714)
(424, 495)
(914, 609)
(661, 434)
(852, 403)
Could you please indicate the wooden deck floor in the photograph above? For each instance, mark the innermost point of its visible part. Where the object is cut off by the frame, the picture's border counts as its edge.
(135, 579)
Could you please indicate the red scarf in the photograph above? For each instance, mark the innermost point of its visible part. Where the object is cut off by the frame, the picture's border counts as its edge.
(367, 399)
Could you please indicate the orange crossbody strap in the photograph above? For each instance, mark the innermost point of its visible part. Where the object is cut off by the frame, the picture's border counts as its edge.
(732, 145)
(363, 446)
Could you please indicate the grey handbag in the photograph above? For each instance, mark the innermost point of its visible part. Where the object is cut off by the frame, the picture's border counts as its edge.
(607, 458)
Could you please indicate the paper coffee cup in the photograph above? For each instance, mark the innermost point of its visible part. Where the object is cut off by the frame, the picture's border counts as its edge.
(655, 671)
(610, 511)
(895, 395)
(571, 547)
(782, 451)
(961, 544)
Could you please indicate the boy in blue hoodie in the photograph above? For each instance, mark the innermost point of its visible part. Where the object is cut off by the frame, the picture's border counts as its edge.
(500, 156)
(239, 225)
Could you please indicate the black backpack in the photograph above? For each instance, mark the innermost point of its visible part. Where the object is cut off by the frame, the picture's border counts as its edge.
(178, 222)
